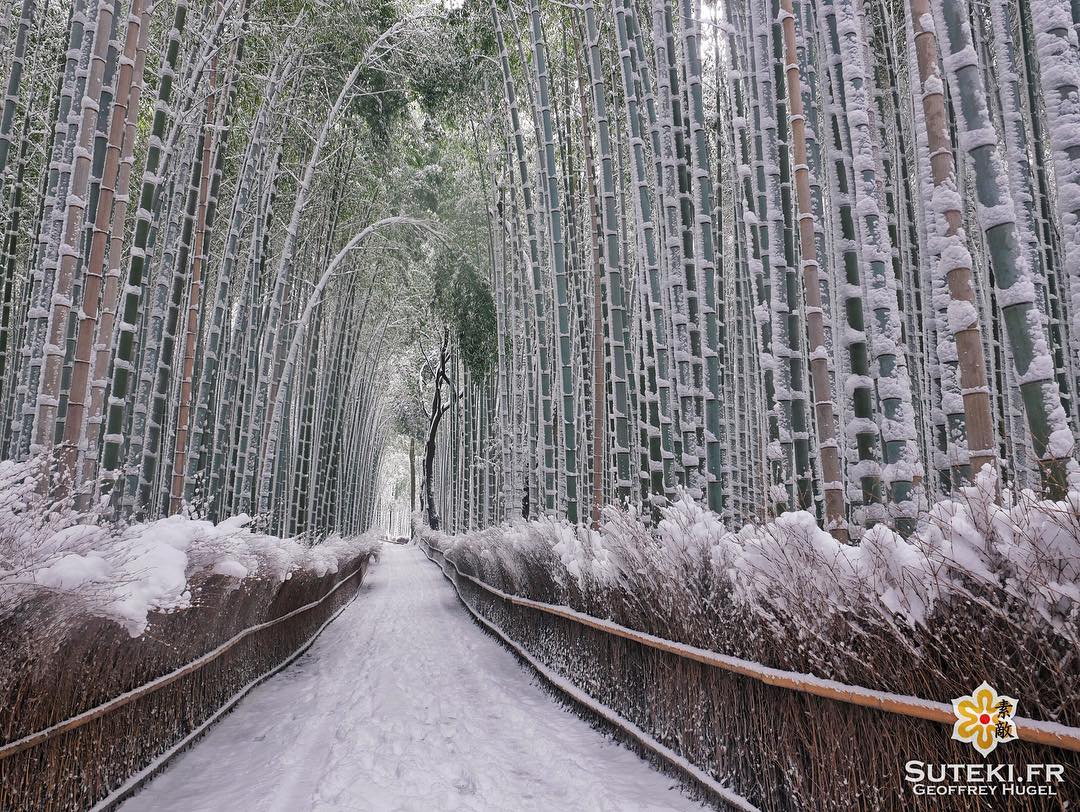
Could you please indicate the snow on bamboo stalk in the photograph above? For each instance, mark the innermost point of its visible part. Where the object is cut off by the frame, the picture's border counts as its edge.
(1026, 178)
(31, 402)
(679, 268)
(819, 357)
(189, 426)
(103, 344)
(616, 296)
(71, 231)
(342, 400)
(887, 345)
(503, 273)
(1051, 437)
(249, 165)
(247, 445)
(770, 271)
(350, 345)
(754, 351)
(114, 181)
(947, 242)
(9, 291)
(673, 120)
(862, 427)
(640, 62)
(705, 259)
(269, 368)
(525, 404)
(303, 323)
(537, 281)
(647, 237)
(11, 97)
(908, 262)
(948, 441)
(788, 321)
(751, 171)
(152, 393)
(132, 296)
(728, 256)
(814, 95)
(730, 129)
(1059, 73)
(99, 148)
(194, 294)
(99, 142)
(493, 205)
(558, 255)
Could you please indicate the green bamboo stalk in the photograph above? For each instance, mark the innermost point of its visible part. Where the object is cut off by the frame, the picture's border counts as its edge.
(123, 365)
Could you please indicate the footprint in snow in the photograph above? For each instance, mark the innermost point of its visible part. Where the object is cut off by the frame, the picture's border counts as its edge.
(465, 784)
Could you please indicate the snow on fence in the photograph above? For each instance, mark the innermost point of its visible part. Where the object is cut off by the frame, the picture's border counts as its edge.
(96, 703)
(775, 737)
(635, 734)
(1031, 730)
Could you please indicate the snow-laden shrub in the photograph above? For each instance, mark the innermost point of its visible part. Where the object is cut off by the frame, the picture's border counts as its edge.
(1028, 546)
(989, 585)
(126, 572)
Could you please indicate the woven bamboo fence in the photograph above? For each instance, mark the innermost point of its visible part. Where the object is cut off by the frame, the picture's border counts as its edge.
(766, 738)
(83, 723)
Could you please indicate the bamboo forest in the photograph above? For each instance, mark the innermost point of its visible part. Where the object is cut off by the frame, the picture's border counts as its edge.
(718, 358)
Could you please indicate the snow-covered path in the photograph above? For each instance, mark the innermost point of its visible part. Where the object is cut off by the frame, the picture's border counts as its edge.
(404, 703)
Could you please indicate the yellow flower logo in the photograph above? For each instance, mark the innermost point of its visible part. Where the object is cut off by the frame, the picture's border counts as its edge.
(984, 719)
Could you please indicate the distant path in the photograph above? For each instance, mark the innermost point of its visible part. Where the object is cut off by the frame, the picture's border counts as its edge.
(404, 703)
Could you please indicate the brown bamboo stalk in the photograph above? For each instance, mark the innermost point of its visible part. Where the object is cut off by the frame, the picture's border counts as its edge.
(74, 215)
(113, 233)
(95, 268)
(835, 518)
(978, 416)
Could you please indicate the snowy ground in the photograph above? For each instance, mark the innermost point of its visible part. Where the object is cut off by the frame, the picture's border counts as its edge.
(404, 704)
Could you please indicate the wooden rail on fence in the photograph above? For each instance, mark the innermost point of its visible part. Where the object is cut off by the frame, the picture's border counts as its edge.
(1032, 730)
(642, 738)
(42, 736)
